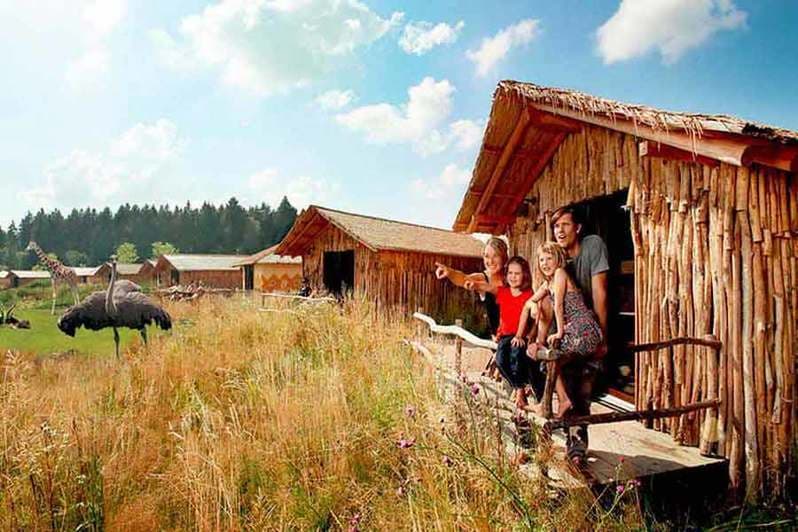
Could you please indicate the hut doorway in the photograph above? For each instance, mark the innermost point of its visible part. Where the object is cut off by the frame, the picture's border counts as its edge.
(249, 277)
(607, 217)
(339, 271)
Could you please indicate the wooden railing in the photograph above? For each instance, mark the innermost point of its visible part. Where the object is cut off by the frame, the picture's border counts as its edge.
(463, 336)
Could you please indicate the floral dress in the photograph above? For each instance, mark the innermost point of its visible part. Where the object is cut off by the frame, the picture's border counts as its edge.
(582, 333)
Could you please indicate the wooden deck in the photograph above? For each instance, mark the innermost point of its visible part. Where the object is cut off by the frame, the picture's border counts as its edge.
(618, 451)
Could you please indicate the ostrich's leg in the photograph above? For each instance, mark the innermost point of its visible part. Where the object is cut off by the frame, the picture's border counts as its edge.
(116, 341)
(143, 333)
(76, 294)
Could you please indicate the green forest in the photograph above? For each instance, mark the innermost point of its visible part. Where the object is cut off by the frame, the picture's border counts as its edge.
(87, 237)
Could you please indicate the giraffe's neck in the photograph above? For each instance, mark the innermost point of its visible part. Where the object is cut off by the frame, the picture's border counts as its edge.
(56, 269)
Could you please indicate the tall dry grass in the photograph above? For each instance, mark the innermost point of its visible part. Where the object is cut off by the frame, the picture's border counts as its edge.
(312, 418)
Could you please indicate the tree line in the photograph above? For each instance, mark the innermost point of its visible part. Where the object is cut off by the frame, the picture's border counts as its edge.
(87, 237)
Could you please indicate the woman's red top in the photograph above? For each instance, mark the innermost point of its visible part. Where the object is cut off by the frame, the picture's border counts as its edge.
(510, 308)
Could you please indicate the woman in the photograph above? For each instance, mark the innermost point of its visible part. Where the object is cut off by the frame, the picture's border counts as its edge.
(494, 258)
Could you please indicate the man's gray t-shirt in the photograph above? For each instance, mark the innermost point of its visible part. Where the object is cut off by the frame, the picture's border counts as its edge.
(592, 260)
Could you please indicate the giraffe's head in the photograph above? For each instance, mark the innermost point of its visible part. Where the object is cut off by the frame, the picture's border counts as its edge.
(32, 245)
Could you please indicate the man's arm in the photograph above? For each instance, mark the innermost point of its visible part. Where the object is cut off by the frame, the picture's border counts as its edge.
(599, 290)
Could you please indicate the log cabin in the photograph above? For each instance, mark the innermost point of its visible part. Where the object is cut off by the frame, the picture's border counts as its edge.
(385, 261)
(268, 272)
(700, 216)
(212, 271)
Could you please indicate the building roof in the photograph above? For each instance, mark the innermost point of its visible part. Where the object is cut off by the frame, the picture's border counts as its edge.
(268, 256)
(377, 234)
(528, 123)
(128, 269)
(31, 274)
(4, 274)
(86, 271)
(187, 263)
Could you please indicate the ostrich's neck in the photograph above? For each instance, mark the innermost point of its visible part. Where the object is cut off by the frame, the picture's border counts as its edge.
(110, 307)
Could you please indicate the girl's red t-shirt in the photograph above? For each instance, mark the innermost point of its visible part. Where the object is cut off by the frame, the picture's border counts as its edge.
(510, 308)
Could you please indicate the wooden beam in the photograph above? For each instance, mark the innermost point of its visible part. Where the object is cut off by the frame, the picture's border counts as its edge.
(615, 417)
(495, 219)
(515, 138)
(534, 173)
(708, 341)
(553, 123)
(649, 148)
(728, 150)
(781, 157)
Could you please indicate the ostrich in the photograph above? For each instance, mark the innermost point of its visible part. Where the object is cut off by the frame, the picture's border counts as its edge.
(122, 305)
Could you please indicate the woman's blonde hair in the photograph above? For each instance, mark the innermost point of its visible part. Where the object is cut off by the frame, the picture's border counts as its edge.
(500, 247)
(553, 249)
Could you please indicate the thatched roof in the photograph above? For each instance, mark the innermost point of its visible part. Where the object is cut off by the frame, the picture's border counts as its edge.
(528, 123)
(377, 234)
(31, 274)
(128, 269)
(86, 271)
(187, 263)
(268, 256)
(644, 115)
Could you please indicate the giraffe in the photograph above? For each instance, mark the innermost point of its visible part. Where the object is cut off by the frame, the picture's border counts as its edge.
(58, 273)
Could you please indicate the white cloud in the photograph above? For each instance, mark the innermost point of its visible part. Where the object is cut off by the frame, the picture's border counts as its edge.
(335, 100)
(268, 186)
(671, 27)
(129, 169)
(466, 134)
(272, 46)
(72, 38)
(420, 122)
(494, 49)
(420, 37)
(447, 184)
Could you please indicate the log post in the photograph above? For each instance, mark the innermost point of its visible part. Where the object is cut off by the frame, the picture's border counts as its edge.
(548, 391)
(458, 350)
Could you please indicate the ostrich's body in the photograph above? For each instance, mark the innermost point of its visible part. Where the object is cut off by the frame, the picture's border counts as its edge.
(58, 273)
(122, 305)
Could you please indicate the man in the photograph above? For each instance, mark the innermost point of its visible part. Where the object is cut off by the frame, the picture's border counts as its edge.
(588, 266)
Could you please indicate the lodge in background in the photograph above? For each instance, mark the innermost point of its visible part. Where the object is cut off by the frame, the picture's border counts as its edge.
(212, 271)
(388, 262)
(268, 272)
(700, 215)
(93, 274)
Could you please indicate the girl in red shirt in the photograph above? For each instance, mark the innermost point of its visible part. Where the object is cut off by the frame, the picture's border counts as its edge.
(511, 356)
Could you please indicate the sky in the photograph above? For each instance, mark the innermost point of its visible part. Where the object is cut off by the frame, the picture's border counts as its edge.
(373, 106)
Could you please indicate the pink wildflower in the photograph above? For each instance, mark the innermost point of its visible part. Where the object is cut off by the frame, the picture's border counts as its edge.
(448, 462)
(619, 489)
(405, 443)
(475, 389)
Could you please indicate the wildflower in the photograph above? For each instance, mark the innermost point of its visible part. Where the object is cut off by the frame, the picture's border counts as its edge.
(619, 489)
(405, 443)
(410, 411)
(475, 389)
(354, 522)
(622, 459)
(448, 462)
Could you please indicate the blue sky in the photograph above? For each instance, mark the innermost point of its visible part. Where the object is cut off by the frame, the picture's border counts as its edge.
(371, 106)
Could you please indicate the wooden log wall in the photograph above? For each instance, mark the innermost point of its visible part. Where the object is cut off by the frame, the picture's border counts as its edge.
(211, 278)
(716, 251)
(396, 281)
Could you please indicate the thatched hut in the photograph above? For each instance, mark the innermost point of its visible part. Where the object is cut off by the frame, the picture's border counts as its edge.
(26, 277)
(212, 271)
(700, 213)
(93, 274)
(391, 263)
(6, 279)
(268, 272)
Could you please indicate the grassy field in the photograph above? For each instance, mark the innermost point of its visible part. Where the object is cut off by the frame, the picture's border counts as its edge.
(44, 337)
(311, 418)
